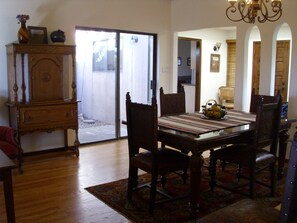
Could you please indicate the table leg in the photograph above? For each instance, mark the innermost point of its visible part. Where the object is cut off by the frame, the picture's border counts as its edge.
(8, 193)
(283, 141)
(76, 143)
(196, 162)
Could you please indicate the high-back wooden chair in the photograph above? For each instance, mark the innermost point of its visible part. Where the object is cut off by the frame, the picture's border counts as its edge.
(173, 103)
(143, 133)
(266, 99)
(253, 155)
(250, 211)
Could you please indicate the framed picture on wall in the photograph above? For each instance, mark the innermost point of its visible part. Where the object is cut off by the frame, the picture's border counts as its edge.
(189, 61)
(214, 62)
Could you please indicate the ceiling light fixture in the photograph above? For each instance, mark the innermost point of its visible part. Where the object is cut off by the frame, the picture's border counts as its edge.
(250, 10)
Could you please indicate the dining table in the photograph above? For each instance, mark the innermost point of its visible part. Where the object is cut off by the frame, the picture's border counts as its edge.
(193, 133)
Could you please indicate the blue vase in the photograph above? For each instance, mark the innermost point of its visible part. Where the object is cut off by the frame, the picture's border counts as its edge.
(58, 36)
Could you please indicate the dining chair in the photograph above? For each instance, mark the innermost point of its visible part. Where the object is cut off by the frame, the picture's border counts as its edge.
(10, 146)
(172, 103)
(253, 155)
(253, 109)
(266, 99)
(144, 153)
(226, 97)
(250, 211)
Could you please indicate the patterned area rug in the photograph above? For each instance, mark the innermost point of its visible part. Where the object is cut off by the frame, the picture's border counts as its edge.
(114, 195)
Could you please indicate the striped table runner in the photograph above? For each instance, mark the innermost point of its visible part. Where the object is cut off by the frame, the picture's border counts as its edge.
(196, 123)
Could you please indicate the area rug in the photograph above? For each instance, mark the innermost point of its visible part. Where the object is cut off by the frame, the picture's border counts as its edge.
(114, 195)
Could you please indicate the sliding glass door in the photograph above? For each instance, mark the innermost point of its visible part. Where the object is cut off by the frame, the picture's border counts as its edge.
(110, 64)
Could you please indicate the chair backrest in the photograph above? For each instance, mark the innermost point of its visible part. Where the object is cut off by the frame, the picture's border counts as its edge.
(288, 212)
(226, 94)
(174, 103)
(141, 126)
(267, 124)
(266, 99)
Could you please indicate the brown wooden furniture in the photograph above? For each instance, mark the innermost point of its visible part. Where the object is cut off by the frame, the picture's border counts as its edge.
(250, 211)
(226, 96)
(143, 133)
(9, 144)
(198, 143)
(256, 97)
(174, 103)
(6, 165)
(253, 155)
(285, 126)
(42, 89)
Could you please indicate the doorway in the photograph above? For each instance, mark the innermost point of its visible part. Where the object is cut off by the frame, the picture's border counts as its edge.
(188, 71)
(111, 63)
(281, 67)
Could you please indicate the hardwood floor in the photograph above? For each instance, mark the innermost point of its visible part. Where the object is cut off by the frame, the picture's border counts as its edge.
(51, 189)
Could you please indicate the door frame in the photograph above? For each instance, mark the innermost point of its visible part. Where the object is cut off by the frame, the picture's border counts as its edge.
(154, 60)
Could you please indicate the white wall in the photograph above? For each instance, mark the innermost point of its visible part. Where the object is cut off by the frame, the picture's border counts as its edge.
(151, 16)
(211, 81)
(197, 15)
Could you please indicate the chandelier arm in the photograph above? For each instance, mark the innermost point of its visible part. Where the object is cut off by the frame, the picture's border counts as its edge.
(263, 12)
(276, 9)
(241, 8)
(250, 10)
(232, 10)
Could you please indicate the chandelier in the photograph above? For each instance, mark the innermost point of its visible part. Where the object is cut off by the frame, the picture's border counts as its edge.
(250, 10)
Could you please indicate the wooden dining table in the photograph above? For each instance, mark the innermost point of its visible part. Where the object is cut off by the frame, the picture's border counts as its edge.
(194, 134)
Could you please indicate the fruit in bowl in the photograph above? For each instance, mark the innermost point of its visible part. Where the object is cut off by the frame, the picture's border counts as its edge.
(213, 110)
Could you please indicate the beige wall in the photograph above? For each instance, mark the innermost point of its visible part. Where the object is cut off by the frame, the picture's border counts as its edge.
(164, 17)
(151, 16)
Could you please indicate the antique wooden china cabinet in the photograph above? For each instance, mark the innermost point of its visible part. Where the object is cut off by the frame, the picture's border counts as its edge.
(42, 89)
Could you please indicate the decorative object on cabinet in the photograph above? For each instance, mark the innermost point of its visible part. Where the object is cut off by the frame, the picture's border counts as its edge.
(58, 36)
(23, 33)
(37, 35)
(39, 85)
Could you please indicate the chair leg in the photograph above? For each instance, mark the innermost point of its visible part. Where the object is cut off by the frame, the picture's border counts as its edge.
(20, 162)
(132, 178)
(163, 181)
(153, 191)
(272, 176)
(213, 166)
(252, 181)
(239, 171)
(223, 165)
(208, 166)
(185, 175)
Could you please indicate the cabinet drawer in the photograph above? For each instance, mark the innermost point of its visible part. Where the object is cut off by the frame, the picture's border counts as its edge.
(58, 116)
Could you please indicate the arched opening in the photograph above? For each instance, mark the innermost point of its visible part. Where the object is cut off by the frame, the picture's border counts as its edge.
(282, 60)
